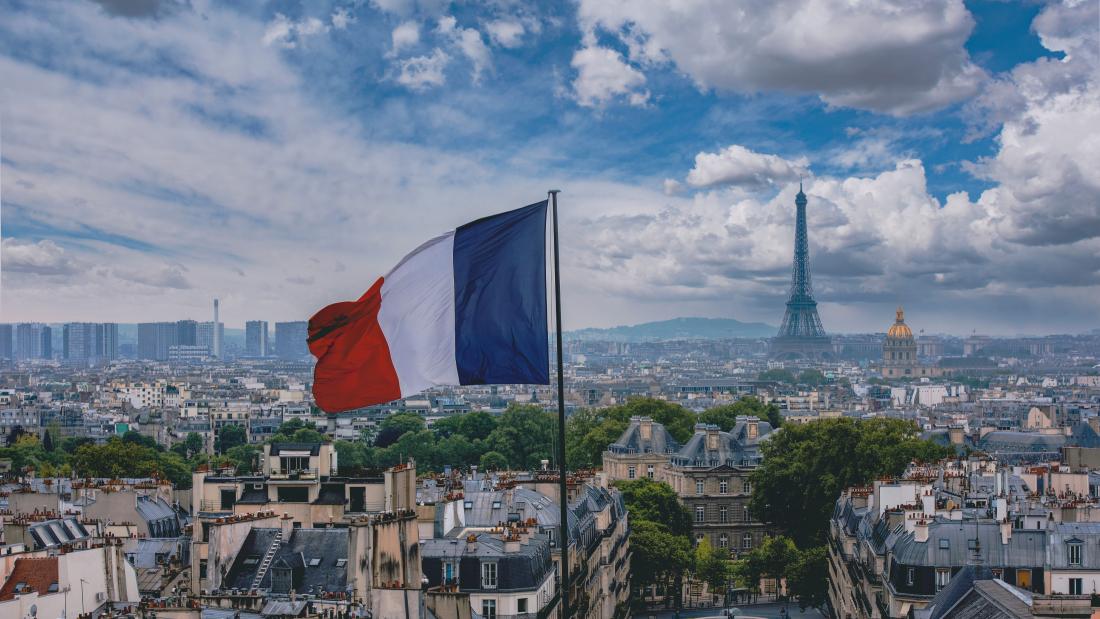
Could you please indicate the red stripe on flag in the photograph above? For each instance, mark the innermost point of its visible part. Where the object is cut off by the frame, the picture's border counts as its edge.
(354, 368)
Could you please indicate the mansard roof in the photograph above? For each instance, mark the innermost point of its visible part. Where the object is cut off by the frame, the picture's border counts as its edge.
(632, 441)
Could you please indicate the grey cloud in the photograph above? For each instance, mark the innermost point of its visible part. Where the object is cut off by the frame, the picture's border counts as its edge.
(141, 8)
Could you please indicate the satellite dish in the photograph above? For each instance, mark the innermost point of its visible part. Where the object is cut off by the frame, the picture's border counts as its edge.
(34, 610)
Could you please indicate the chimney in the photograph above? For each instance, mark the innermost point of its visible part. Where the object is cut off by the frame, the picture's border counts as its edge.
(645, 427)
(956, 435)
(753, 428)
(712, 437)
(217, 352)
(920, 531)
(1006, 531)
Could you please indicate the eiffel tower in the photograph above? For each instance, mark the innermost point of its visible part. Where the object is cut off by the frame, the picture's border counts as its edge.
(801, 336)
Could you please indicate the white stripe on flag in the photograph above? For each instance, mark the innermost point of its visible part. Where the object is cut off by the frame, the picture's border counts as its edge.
(418, 316)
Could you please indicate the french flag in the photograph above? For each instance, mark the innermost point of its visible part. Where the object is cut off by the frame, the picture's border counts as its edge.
(465, 308)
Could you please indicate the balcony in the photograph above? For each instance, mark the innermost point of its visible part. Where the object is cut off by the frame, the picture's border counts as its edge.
(293, 474)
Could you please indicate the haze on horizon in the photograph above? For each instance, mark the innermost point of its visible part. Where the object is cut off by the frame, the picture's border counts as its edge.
(156, 154)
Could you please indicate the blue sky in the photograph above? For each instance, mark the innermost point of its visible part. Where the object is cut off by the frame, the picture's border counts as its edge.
(282, 155)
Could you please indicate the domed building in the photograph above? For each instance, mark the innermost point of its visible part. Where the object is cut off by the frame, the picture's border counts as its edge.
(899, 352)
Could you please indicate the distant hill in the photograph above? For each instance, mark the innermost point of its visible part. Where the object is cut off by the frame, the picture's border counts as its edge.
(677, 329)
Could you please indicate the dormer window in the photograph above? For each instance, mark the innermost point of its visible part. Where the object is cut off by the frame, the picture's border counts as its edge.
(1073, 551)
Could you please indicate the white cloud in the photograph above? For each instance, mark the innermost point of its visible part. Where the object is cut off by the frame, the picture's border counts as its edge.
(289, 33)
(505, 32)
(42, 258)
(893, 56)
(737, 165)
(603, 76)
(469, 42)
(405, 35)
(423, 72)
(341, 18)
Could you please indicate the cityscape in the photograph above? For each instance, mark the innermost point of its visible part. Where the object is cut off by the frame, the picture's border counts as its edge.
(857, 376)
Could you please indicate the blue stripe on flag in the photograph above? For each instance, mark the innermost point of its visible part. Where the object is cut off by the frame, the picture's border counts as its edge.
(500, 299)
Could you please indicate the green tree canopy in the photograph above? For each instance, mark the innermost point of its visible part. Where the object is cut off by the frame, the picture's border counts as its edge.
(807, 577)
(805, 467)
(725, 417)
(779, 375)
(655, 501)
(493, 461)
(231, 436)
(395, 426)
(811, 377)
(658, 556)
(525, 435)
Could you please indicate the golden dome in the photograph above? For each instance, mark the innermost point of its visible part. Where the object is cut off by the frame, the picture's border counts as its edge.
(899, 329)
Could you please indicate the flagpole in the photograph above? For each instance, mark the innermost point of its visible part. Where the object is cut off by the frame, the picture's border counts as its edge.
(562, 487)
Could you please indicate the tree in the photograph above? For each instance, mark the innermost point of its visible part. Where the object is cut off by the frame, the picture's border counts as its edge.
(807, 577)
(231, 436)
(725, 417)
(355, 456)
(770, 559)
(805, 467)
(777, 375)
(193, 443)
(494, 461)
(397, 425)
(477, 425)
(243, 457)
(525, 435)
(659, 557)
(811, 377)
(133, 436)
(47, 441)
(587, 435)
(657, 502)
(307, 435)
(710, 566)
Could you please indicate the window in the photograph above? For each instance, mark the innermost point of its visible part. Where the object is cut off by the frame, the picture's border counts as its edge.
(698, 538)
(450, 572)
(700, 513)
(746, 541)
(945, 543)
(909, 576)
(745, 515)
(723, 541)
(1075, 586)
(942, 577)
(1074, 553)
(723, 514)
(521, 605)
(649, 471)
(699, 487)
(747, 487)
(489, 609)
(489, 576)
(723, 486)
(630, 473)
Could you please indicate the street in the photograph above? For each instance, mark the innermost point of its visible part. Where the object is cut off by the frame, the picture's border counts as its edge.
(770, 610)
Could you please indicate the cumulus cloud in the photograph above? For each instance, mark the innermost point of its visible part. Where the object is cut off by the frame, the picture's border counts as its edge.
(505, 32)
(423, 72)
(894, 56)
(288, 33)
(469, 42)
(603, 75)
(341, 18)
(405, 35)
(44, 257)
(737, 165)
(1046, 177)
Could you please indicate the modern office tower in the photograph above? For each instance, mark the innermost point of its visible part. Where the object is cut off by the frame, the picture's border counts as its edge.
(206, 335)
(107, 341)
(88, 341)
(33, 341)
(255, 338)
(155, 338)
(7, 350)
(187, 332)
(290, 339)
(216, 349)
(78, 341)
